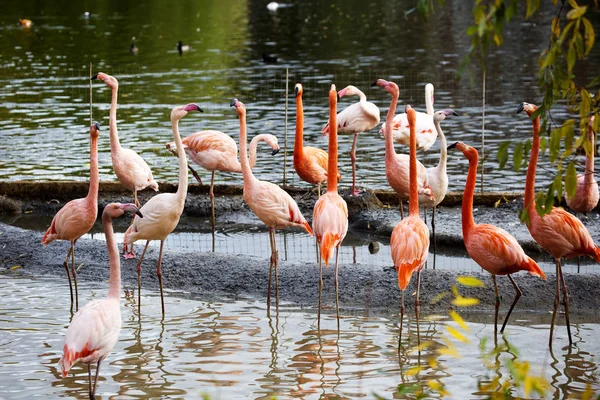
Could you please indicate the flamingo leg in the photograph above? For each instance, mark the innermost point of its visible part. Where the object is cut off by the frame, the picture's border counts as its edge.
(418, 306)
(74, 272)
(93, 393)
(497, 306)
(433, 230)
(130, 253)
(518, 295)
(193, 171)
(90, 380)
(211, 194)
(337, 298)
(401, 210)
(566, 304)
(319, 189)
(320, 292)
(556, 299)
(401, 319)
(276, 263)
(353, 158)
(66, 265)
(160, 282)
(270, 272)
(139, 274)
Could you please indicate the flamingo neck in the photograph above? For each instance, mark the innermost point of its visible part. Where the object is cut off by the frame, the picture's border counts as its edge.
(467, 204)
(246, 169)
(253, 148)
(589, 160)
(183, 169)
(115, 145)
(299, 138)
(429, 102)
(92, 196)
(531, 169)
(413, 196)
(114, 289)
(332, 161)
(390, 151)
(361, 96)
(443, 148)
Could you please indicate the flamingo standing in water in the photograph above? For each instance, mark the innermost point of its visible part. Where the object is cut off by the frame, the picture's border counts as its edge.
(217, 151)
(271, 204)
(78, 216)
(494, 249)
(586, 196)
(162, 212)
(310, 163)
(397, 166)
(131, 169)
(95, 328)
(330, 216)
(559, 233)
(426, 132)
(354, 119)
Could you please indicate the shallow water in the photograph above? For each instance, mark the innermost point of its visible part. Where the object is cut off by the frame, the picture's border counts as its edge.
(231, 349)
(44, 92)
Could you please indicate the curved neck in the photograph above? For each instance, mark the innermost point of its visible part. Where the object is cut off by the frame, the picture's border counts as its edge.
(114, 290)
(413, 196)
(467, 204)
(531, 169)
(299, 138)
(94, 175)
(115, 145)
(253, 148)
(361, 96)
(246, 169)
(443, 148)
(390, 151)
(183, 170)
(589, 160)
(333, 145)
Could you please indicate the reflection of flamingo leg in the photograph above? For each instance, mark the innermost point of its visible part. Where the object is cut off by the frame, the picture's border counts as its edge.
(139, 274)
(337, 298)
(160, 282)
(566, 303)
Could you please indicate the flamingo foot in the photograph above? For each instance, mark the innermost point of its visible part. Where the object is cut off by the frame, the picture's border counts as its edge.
(356, 192)
(129, 255)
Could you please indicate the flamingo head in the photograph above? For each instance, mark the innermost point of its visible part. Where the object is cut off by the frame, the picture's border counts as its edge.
(95, 130)
(469, 152)
(411, 115)
(298, 90)
(181, 111)
(348, 91)
(429, 92)
(389, 86)
(441, 115)
(426, 191)
(527, 107)
(115, 210)
(110, 81)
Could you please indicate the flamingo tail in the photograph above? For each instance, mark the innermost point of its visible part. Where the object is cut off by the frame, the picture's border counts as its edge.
(327, 246)
(405, 272)
(49, 235)
(596, 254)
(308, 228)
(534, 269)
(325, 130)
(71, 357)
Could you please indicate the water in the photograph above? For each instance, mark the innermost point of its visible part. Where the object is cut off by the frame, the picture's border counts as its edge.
(44, 90)
(231, 349)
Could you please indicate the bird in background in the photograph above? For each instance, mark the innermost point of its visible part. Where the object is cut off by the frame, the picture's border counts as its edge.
(95, 328)
(217, 151)
(133, 49)
(397, 166)
(494, 249)
(162, 212)
(310, 163)
(426, 132)
(25, 23)
(182, 48)
(559, 232)
(131, 169)
(354, 119)
(586, 195)
(271, 204)
(78, 216)
(330, 215)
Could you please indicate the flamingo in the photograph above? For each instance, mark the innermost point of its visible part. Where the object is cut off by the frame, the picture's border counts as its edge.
(25, 23)
(426, 131)
(354, 119)
(310, 163)
(131, 169)
(330, 215)
(78, 216)
(217, 151)
(586, 196)
(437, 176)
(494, 249)
(397, 165)
(95, 328)
(409, 243)
(559, 233)
(162, 212)
(271, 204)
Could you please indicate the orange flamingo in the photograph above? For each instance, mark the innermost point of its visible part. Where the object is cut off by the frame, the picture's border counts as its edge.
(354, 119)
(78, 216)
(271, 204)
(310, 163)
(559, 233)
(586, 196)
(494, 249)
(330, 216)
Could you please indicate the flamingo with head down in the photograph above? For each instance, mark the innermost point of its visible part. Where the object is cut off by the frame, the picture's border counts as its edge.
(586, 197)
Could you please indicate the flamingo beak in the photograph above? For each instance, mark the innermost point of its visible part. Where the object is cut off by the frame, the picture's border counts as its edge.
(453, 146)
(296, 91)
(132, 208)
(374, 84)
(521, 107)
(97, 125)
(275, 151)
(94, 77)
(233, 103)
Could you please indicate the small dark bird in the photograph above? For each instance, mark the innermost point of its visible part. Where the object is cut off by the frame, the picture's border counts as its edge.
(269, 58)
(181, 48)
(133, 49)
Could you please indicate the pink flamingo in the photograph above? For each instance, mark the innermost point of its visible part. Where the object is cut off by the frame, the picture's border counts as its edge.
(586, 196)
(271, 204)
(162, 212)
(131, 169)
(397, 165)
(494, 249)
(330, 216)
(95, 328)
(559, 233)
(426, 131)
(78, 216)
(217, 151)
(310, 163)
(354, 119)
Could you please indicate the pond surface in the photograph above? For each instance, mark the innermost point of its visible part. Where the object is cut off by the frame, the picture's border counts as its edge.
(44, 79)
(231, 349)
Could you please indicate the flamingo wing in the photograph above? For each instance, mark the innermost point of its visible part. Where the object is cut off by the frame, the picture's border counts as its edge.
(71, 222)
(132, 170)
(409, 246)
(212, 150)
(161, 216)
(312, 168)
(330, 223)
(425, 128)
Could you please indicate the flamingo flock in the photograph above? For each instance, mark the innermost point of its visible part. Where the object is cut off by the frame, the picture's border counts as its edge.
(95, 327)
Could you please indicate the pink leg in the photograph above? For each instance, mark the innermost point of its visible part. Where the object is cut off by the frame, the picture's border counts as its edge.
(66, 265)
(74, 273)
(130, 254)
(211, 194)
(139, 272)
(160, 282)
(353, 158)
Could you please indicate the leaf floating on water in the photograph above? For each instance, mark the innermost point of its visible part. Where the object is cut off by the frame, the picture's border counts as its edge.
(457, 335)
(470, 281)
(14, 267)
(413, 371)
(461, 301)
(459, 320)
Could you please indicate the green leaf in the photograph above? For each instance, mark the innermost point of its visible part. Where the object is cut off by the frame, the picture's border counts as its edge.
(502, 155)
(549, 203)
(571, 58)
(590, 35)
(526, 149)
(571, 180)
(518, 156)
(481, 27)
(543, 144)
(576, 12)
(558, 187)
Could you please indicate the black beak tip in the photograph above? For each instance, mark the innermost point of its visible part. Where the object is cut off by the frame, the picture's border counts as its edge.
(139, 214)
(232, 104)
(520, 107)
(338, 97)
(452, 146)
(201, 110)
(275, 151)
(374, 84)
(94, 77)
(455, 113)
(97, 125)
